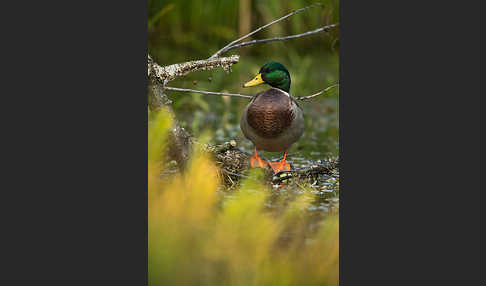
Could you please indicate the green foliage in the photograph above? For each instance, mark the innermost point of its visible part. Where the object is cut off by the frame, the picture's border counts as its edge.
(153, 20)
(196, 236)
(200, 28)
(158, 130)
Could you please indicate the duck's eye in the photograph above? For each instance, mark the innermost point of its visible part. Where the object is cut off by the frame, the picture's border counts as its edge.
(265, 70)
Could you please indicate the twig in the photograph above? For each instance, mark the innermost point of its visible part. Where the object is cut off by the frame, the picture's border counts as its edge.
(228, 172)
(316, 94)
(227, 47)
(243, 95)
(321, 29)
(168, 73)
(207, 92)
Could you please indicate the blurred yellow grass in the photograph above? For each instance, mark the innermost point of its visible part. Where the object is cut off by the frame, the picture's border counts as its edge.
(197, 236)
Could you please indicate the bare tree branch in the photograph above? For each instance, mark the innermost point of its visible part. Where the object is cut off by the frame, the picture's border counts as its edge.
(321, 29)
(168, 73)
(316, 94)
(207, 92)
(243, 95)
(227, 47)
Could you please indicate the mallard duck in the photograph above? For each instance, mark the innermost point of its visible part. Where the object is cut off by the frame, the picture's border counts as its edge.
(272, 120)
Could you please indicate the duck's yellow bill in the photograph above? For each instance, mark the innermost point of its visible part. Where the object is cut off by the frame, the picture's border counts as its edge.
(256, 81)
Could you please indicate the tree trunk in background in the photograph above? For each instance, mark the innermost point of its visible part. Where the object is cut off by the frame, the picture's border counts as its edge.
(244, 18)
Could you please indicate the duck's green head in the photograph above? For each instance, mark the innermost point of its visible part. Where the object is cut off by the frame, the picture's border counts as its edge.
(274, 74)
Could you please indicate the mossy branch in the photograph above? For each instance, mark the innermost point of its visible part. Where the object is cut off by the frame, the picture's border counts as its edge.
(165, 74)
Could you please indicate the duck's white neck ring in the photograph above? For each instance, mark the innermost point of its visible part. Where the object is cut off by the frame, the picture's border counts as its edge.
(283, 91)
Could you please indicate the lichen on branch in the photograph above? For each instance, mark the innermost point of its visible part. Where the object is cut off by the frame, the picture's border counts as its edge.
(170, 72)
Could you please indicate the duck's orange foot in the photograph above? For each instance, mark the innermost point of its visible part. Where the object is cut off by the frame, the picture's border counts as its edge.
(256, 161)
(280, 166)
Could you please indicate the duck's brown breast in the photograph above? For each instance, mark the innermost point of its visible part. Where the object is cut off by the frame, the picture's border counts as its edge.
(270, 113)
